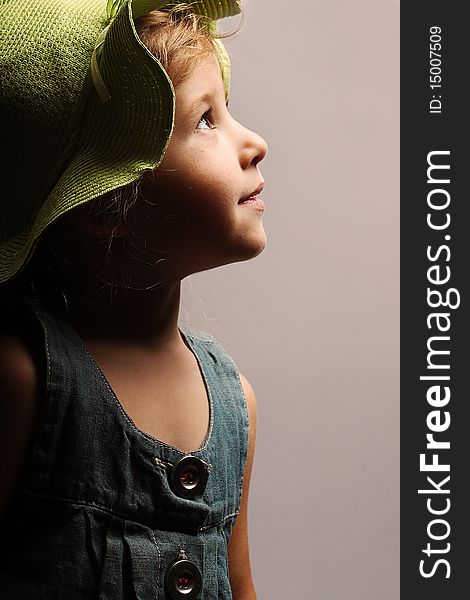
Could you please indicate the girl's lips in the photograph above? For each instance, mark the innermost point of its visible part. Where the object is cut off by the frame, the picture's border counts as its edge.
(254, 202)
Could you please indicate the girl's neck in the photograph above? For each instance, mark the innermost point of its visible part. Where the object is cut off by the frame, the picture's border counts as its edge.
(147, 318)
(114, 295)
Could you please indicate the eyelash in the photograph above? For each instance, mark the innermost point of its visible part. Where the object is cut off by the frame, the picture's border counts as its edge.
(207, 118)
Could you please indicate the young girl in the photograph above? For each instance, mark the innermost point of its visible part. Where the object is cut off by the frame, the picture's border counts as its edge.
(126, 443)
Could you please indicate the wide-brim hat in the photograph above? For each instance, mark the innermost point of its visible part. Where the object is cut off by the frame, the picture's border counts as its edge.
(85, 108)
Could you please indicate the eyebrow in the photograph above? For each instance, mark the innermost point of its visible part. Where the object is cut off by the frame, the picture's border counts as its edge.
(195, 107)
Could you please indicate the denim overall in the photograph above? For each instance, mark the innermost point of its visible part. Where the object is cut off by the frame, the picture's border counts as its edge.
(105, 511)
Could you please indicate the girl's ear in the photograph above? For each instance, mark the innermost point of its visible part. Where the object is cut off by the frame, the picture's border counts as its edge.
(99, 228)
(107, 217)
(82, 225)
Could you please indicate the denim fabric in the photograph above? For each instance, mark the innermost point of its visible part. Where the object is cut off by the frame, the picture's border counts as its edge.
(95, 515)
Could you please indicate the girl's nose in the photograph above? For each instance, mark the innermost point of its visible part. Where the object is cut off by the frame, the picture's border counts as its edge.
(254, 148)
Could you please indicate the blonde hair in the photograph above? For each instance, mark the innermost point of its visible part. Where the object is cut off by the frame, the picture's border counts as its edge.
(178, 38)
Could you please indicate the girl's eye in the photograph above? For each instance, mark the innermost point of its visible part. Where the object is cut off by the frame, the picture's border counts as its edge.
(205, 121)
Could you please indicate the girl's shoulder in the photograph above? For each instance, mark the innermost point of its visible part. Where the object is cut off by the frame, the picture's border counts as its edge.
(20, 390)
(19, 355)
(205, 338)
(202, 339)
(197, 334)
(19, 369)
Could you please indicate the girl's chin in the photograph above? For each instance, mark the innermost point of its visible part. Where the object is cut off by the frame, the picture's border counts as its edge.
(237, 253)
(260, 246)
(253, 246)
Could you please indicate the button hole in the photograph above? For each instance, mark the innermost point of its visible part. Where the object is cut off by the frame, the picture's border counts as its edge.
(162, 464)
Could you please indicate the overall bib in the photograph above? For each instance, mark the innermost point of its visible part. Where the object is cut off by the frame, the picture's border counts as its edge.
(105, 511)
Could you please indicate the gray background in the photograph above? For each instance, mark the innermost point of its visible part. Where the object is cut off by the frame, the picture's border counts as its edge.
(313, 322)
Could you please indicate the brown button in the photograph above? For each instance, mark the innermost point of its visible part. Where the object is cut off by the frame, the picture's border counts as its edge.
(189, 476)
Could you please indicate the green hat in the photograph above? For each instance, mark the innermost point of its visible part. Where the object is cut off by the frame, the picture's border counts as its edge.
(85, 108)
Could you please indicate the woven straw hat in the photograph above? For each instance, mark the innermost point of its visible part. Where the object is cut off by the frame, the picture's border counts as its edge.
(85, 108)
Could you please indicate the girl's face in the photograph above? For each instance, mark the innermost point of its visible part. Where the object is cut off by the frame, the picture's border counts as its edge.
(198, 215)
